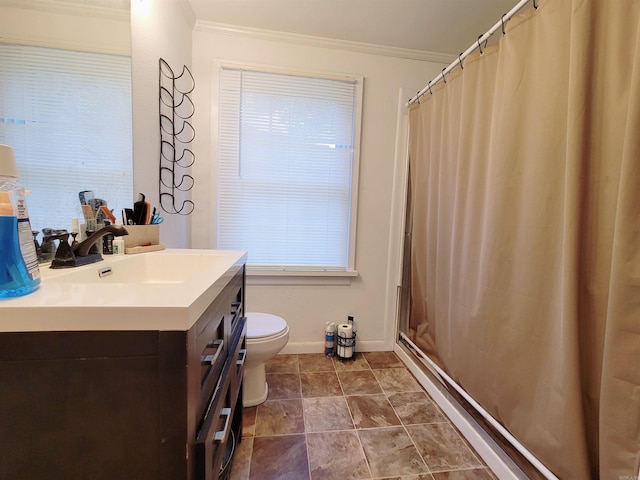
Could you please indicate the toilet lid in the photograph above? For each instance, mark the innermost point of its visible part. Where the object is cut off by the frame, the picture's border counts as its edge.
(260, 325)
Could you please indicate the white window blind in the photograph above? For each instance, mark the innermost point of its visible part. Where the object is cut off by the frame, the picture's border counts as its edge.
(286, 152)
(67, 115)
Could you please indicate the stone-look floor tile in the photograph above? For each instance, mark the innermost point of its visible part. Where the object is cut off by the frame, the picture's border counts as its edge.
(279, 417)
(337, 456)
(315, 362)
(283, 385)
(415, 407)
(283, 364)
(390, 451)
(358, 362)
(474, 474)
(383, 360)
(274, 444)
(281, 457)
(442, 448)
(325, 414)
(249, 421)
(422, 476)
(371, 411)
(359, 382)
(242, 459)
(396, 380)
(320, 384)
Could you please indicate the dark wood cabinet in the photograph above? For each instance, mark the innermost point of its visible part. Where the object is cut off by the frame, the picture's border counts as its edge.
(124, 404)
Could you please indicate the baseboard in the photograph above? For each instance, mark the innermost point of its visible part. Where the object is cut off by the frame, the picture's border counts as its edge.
(491, 453)
(318, 347)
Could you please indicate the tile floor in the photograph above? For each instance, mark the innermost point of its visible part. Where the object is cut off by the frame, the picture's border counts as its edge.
(366, 418)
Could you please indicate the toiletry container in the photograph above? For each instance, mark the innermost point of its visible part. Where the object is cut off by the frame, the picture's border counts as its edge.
(329, 338)
(19, 272)
(118, 246)
(118, 242)
(107, 241)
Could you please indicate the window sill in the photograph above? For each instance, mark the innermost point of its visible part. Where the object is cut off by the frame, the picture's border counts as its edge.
(259, 276)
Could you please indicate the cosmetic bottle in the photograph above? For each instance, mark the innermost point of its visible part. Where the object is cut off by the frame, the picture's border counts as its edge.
(107, 241)
(19, 271)
(118, 242)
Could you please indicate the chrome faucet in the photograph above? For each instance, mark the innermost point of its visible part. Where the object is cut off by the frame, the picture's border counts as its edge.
(85, 252)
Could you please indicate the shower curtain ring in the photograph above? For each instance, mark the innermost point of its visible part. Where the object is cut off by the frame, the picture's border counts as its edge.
(460, 61)
(535, 4)
(443, 77)
(503, 32)
(429, 85)
(480, 46)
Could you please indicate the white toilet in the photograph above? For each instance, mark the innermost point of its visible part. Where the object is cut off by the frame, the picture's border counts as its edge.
(267, 334)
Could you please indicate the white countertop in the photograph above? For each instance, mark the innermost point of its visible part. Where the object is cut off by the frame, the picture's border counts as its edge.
(75, 300)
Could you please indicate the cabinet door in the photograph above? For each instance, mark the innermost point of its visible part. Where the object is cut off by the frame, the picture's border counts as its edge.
(94, 418)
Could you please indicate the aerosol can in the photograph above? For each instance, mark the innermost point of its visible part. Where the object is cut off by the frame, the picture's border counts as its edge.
(329, 338)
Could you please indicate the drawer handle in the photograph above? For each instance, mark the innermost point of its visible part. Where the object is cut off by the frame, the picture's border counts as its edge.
(211, 359)
(219, 436)
(243, 353)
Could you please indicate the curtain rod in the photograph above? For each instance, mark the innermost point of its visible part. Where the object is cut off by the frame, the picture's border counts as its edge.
(482, 38)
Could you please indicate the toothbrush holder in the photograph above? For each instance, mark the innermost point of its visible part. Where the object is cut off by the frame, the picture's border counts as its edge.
(141, 235)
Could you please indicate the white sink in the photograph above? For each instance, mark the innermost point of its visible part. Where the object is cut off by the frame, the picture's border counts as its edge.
(142, 268)
(162, 290)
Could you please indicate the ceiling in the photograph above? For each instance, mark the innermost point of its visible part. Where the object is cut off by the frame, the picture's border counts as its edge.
(437, 26)
(434, 26)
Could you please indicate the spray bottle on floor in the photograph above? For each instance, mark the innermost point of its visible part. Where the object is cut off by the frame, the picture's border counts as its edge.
(329, 338)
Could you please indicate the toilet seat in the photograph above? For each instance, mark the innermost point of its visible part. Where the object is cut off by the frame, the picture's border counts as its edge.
(264, 326)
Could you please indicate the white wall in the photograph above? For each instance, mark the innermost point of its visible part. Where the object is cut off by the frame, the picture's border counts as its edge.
(159, 29)
(369, 297)
(71, 30)
(163, 28)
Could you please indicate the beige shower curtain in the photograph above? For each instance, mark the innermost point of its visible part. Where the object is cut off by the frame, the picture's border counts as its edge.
(525, 220)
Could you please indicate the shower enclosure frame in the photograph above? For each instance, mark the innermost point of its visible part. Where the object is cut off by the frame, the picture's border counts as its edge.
(416, 361)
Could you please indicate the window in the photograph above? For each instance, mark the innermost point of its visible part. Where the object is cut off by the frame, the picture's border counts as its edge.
(67, 115)
(288, 162)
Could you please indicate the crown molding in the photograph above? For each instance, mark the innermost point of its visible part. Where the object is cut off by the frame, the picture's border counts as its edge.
(322, 42)
(188, 12)
(70, 8)
(63, 44)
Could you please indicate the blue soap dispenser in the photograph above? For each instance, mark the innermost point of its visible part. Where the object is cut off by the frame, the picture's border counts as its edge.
(19, 272)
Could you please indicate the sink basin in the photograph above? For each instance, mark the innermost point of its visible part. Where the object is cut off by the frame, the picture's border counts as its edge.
(144, 268)
(163, 290)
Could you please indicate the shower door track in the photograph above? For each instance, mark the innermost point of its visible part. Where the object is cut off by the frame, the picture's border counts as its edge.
(442, 376)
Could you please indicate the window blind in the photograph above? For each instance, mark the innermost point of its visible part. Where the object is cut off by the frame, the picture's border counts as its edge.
(67, 115)
(286, 152)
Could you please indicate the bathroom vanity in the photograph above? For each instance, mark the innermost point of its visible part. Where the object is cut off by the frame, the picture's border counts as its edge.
(150, 388)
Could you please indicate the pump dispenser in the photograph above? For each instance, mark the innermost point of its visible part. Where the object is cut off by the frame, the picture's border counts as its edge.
(19, 272)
